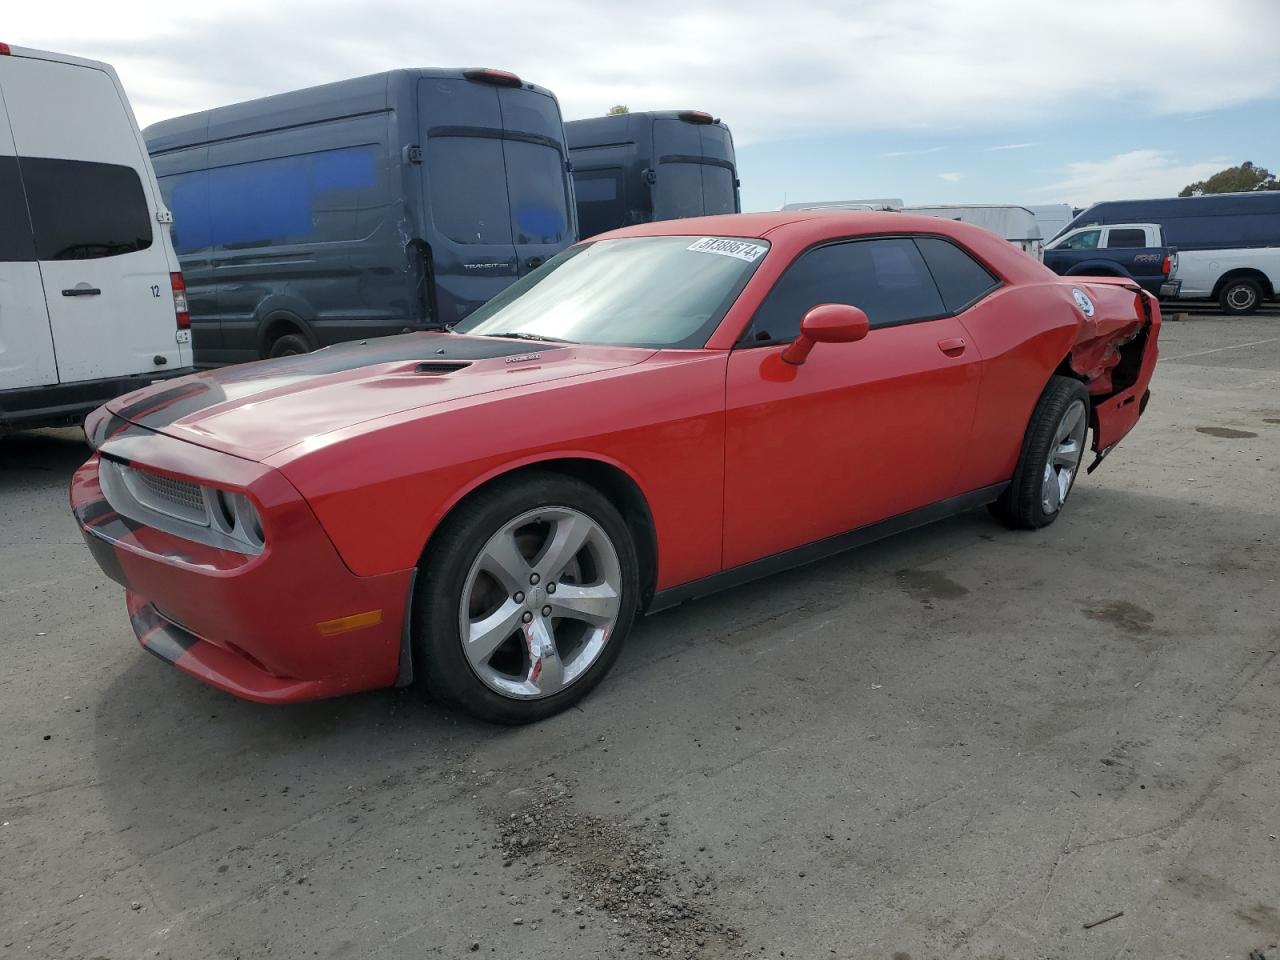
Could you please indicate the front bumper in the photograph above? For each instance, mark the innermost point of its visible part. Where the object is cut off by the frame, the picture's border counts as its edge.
(1170, 289)
(288, 624)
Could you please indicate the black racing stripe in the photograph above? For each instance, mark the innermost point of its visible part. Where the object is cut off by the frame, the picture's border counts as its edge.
(158, 410)
(144, 619)
(169, 643)
(105, 554)
(152, 402)
(115, 527)
(403, 348)
(94, 512)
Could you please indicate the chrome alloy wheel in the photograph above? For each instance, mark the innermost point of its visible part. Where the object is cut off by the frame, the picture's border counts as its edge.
(1064, 457)
(540, 602)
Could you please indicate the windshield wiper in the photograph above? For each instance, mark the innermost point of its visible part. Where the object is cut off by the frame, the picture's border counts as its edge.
(530, 336)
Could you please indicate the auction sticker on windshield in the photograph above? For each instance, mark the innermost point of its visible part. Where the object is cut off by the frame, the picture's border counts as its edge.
(740, 249)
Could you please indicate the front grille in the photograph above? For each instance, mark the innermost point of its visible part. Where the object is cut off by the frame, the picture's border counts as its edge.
(180, 499)
(180, 493)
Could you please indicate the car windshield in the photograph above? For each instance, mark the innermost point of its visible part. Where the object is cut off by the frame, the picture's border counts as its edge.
(634, 291)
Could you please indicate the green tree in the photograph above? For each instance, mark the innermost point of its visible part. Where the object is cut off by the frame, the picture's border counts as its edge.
(1242, 179)
(619, 110)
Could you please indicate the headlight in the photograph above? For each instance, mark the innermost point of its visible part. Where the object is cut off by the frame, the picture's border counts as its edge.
(185, 508)
(236, 516)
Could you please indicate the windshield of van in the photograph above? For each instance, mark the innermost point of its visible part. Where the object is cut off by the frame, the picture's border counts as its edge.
(634, 291)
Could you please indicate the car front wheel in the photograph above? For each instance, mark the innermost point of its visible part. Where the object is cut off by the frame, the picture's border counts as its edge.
(527, 594)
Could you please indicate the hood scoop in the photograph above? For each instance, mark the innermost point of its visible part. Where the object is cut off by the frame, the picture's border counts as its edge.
(440, 367)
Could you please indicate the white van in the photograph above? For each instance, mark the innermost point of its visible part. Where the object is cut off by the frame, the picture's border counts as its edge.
(92, 304)
(1016, 224)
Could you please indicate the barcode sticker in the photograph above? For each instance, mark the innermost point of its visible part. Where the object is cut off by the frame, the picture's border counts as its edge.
(739, 249)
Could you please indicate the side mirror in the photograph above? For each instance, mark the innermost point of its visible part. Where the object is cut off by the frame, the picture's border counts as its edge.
(826, 323)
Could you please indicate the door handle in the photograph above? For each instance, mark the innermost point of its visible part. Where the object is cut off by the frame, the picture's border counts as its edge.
(81, 290)
(952, 346)
(533, 263)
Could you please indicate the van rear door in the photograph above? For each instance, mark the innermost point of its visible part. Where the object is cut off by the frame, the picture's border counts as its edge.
(26, 342)
(537, 175)
(495, 187)
(695, 175)
(90, 192)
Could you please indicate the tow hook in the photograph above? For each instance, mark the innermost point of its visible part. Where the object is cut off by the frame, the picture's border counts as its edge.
(1098, 459)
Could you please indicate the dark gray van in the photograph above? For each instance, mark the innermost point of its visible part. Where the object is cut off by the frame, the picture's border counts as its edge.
(366, 207)
(661, 165)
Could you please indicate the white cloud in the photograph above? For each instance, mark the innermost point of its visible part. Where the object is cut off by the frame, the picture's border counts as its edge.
(912, 153)
(1134, 175)
(772, 73)
(951, 177)
(1010, 146)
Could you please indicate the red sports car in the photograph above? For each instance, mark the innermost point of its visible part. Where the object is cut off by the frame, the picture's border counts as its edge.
(657, 413)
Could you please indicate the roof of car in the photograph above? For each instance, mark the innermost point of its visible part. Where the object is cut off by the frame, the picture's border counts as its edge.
(798, 229)
(849, 223)
(761, 225)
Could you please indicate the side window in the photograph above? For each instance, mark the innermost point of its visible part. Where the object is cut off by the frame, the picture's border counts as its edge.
(961, 280)
(308, 198)
(468, 180)
(888, 279)
(1082, 241)
(601, 203)
(1120, 237)
(16, 242)
(536, 185)
(82, 210)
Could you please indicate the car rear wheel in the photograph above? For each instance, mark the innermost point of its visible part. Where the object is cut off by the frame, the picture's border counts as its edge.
(290, 345)
(1050, 461)
(1241, 296)
(527, 594)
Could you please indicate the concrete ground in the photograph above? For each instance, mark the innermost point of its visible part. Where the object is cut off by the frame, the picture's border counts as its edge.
(963, 742)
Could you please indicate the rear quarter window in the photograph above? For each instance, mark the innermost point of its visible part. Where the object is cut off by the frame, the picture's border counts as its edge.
(82, 210)
(961, 279)
(1126, 238)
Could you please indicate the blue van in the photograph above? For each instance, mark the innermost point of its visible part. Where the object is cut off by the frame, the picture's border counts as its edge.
(662, 165)
(1228, 243)
(400, 201)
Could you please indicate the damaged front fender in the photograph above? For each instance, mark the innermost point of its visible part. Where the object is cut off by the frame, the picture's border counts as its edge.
(1115, 355)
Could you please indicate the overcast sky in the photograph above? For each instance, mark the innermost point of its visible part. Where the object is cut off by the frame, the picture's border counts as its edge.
(928, 100)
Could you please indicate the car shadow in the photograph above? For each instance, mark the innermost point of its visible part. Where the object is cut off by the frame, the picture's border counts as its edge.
(173, 756)
(40, 458)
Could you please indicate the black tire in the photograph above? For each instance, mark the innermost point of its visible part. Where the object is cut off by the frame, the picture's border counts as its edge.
(1240, 296)
(291, 344)
(440, 664)
(1020, 507)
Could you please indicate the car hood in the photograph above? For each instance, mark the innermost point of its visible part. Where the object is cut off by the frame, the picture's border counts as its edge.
(259, 409)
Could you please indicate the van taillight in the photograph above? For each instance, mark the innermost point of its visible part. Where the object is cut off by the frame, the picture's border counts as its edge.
(181, 311)
(502, 78)
(696, 116)
(4, 50)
